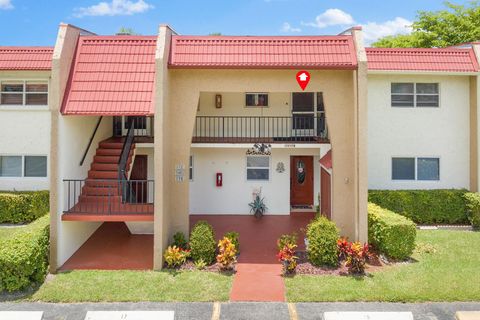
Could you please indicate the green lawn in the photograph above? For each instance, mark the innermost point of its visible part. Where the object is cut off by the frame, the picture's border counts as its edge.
(451, 273)
(95, 286)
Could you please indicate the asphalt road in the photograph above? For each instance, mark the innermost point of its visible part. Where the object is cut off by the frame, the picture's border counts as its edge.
(237, 311)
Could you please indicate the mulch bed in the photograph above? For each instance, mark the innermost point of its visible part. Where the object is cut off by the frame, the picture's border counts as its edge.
(305, 267)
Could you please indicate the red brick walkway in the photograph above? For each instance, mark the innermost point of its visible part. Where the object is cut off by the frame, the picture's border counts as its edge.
(258, 276)
(112, 247)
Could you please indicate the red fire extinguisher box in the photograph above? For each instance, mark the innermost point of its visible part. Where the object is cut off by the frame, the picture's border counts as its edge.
(219, 179)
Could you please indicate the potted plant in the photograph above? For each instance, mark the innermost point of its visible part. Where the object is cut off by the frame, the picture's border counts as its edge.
(257, 206)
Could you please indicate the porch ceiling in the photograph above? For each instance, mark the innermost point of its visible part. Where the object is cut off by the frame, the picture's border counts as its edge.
(112, 76)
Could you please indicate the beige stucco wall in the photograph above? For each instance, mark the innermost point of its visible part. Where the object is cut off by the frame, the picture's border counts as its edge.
(181, 107)
(61, 62)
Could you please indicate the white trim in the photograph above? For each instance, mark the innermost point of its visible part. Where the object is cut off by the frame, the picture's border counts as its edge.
(249, 145)
(409, 72)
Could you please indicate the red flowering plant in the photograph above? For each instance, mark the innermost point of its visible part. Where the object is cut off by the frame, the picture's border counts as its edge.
(357, 256)
(287, 257)
(342, 245)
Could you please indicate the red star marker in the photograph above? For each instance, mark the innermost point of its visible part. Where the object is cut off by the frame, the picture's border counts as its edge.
(303, 77)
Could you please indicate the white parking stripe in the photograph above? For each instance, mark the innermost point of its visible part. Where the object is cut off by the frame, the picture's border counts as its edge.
(368, 316)
(21, 315)
(129, 315)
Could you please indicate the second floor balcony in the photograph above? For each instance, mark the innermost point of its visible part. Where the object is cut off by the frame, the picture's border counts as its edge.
(266, 129)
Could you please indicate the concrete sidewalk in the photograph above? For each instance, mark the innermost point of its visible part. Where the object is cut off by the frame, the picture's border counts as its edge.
(245, 310)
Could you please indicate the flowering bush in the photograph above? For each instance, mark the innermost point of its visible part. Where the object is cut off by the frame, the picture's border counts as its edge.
(342, 245)
(175, 256)
(226, 253)
(290, 239)
(357, 255)
(288, 259)
(180, 241)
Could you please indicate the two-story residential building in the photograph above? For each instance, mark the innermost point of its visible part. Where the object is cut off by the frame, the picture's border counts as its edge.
(146, 133)
(24, 117)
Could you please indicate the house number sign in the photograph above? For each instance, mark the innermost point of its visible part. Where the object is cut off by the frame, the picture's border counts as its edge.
(179, 172)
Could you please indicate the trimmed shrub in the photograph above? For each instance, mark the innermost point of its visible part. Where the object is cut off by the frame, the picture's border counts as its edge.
(439, 206)
(473, 208)
(322, 235)
(234, 238)
(390, 233)
(24, 257)
(180, 241)
(202, 242)
(23, 207)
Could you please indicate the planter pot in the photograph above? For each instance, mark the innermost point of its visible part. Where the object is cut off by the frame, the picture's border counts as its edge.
(258, 213)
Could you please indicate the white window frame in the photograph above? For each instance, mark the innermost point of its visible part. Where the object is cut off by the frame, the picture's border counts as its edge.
(415, 95)
(22, 176)
(24, 94)
(256, 94)
(415, 169)
(268, 168)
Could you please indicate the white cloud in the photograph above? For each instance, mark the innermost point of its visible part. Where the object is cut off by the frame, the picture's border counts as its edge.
(331, 17)
(372, 31)
(113, 8)
(6, 4)
(286, 27)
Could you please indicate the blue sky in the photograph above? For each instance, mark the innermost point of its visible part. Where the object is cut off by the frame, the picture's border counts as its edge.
(25, 22)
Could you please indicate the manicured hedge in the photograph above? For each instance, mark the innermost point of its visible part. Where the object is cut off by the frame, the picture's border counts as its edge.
(473, 208)
(202, 242)
(322, 235)
(22, 207)
(24, 256)
(439, 206)
(390, 233)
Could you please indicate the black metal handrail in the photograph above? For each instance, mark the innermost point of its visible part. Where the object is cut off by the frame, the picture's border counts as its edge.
(105, 196)
(91, 140)
(123, 161)
(296, 128)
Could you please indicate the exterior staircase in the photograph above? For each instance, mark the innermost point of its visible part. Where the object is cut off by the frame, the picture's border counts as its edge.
(99, 196)
(102, 184)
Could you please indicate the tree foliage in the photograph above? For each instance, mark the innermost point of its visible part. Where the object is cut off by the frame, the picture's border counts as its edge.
(454, 25)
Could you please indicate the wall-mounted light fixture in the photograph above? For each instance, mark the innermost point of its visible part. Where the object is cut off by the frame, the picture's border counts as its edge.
(218, 101)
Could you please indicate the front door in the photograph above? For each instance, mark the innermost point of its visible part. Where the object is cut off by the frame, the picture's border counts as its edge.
(326, 193)
(138, 178)
(301, 181)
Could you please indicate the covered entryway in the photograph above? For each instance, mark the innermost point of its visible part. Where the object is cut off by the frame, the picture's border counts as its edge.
(113, 247)
(301, 182)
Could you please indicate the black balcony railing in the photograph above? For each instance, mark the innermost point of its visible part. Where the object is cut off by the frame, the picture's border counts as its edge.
(296, 128)
(109, 197)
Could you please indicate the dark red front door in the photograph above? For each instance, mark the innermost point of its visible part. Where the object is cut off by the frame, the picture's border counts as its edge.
(326, 194)
(301, 180)
(140, 172)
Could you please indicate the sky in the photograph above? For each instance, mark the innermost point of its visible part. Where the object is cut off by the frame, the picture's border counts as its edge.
(35, 22)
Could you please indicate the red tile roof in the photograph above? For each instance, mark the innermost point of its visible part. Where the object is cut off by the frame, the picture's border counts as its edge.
(326, 160)
(112, 75)
(315, 52)
(419, 59)
(26, 58)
